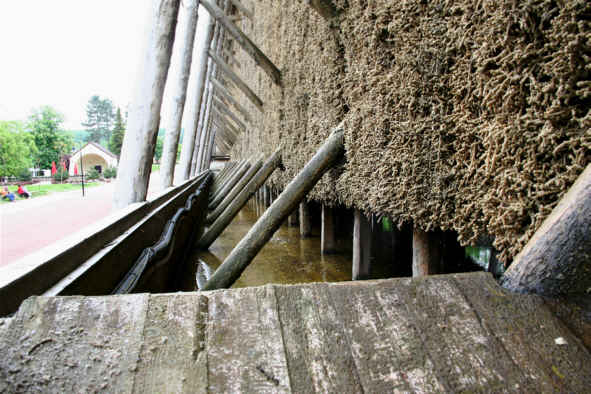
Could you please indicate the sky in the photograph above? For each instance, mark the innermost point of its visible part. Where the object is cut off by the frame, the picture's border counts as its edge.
(62, 52)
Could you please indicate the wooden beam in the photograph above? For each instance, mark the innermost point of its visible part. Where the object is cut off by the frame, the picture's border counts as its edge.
(325, 8)
(222, 91)
(222, 118)
(259, 234)
(237, 81)
(259, 57)
(137, 151)
(557, 259)
(248, 13)
(226, 217)
(223, 108)
(182, 55)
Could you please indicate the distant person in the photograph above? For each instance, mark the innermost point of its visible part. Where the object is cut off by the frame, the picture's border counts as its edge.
(22, 192)
(7, 194)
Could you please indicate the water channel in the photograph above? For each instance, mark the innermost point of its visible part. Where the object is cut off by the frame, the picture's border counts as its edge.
(285, 259)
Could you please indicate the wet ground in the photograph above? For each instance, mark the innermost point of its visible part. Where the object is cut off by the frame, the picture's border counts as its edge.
(286, 259)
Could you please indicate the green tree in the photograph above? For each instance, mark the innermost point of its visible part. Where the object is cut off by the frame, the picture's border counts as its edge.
(51, 141)
(116, 139)
(99, 119)
(17, 149)
(158, 149)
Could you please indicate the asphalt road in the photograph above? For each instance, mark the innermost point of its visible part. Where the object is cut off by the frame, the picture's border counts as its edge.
(29, 225)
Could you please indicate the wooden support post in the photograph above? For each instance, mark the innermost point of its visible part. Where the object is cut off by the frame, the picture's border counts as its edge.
(223, 92)
(218, 197)
(293, 219)
(265, 227)
(305, 221)
(222, 179)
(557, 259)
(252, 171)
(426, 253)
(327, 236)
(224, 110)
(218, 186)
(220, 224)
(195, 106)
(181, 57)
(266, 196)
(259, 57)
(137, 151)
(361, 247)
(237, 81)
(325, 8)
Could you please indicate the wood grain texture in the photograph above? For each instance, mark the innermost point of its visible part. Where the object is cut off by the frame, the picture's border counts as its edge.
(443, 333)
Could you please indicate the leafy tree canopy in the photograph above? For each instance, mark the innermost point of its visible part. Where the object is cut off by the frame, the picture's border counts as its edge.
(51, 141)
(116, 140)
(17, 149)
(99, 119)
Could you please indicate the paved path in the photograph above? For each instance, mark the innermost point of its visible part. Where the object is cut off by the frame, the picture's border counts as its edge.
(28, 225)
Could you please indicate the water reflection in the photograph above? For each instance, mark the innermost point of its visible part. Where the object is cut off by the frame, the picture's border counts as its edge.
(286, 259)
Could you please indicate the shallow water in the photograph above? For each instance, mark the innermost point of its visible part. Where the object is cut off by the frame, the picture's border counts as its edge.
(285, 259)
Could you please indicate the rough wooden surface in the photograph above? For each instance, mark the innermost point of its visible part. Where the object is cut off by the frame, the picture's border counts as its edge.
(452, 333)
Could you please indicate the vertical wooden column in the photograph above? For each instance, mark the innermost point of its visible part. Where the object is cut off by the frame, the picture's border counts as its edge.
(293, 219)
(197, 83)
(181, 66)
(361, 247)
(137, 151)
(266, 196)
(426, 253)
(305, 222)
(327, 237)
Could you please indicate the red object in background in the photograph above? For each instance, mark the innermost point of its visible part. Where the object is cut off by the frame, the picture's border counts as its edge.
(75, 169)
(53, 169)
(64, 166)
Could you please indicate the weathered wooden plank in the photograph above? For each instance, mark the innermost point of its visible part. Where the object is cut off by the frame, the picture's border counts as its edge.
(73, 344)
(173, 357)
(539, 345)
(317, 349)
(245, 329)
(259, 57)
(446, 333)
(250, 94)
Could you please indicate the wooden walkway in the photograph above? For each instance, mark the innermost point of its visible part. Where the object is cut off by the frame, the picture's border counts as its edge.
(435, 334)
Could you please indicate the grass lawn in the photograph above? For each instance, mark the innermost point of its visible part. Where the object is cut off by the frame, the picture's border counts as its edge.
(155, 167)
(38, 190)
